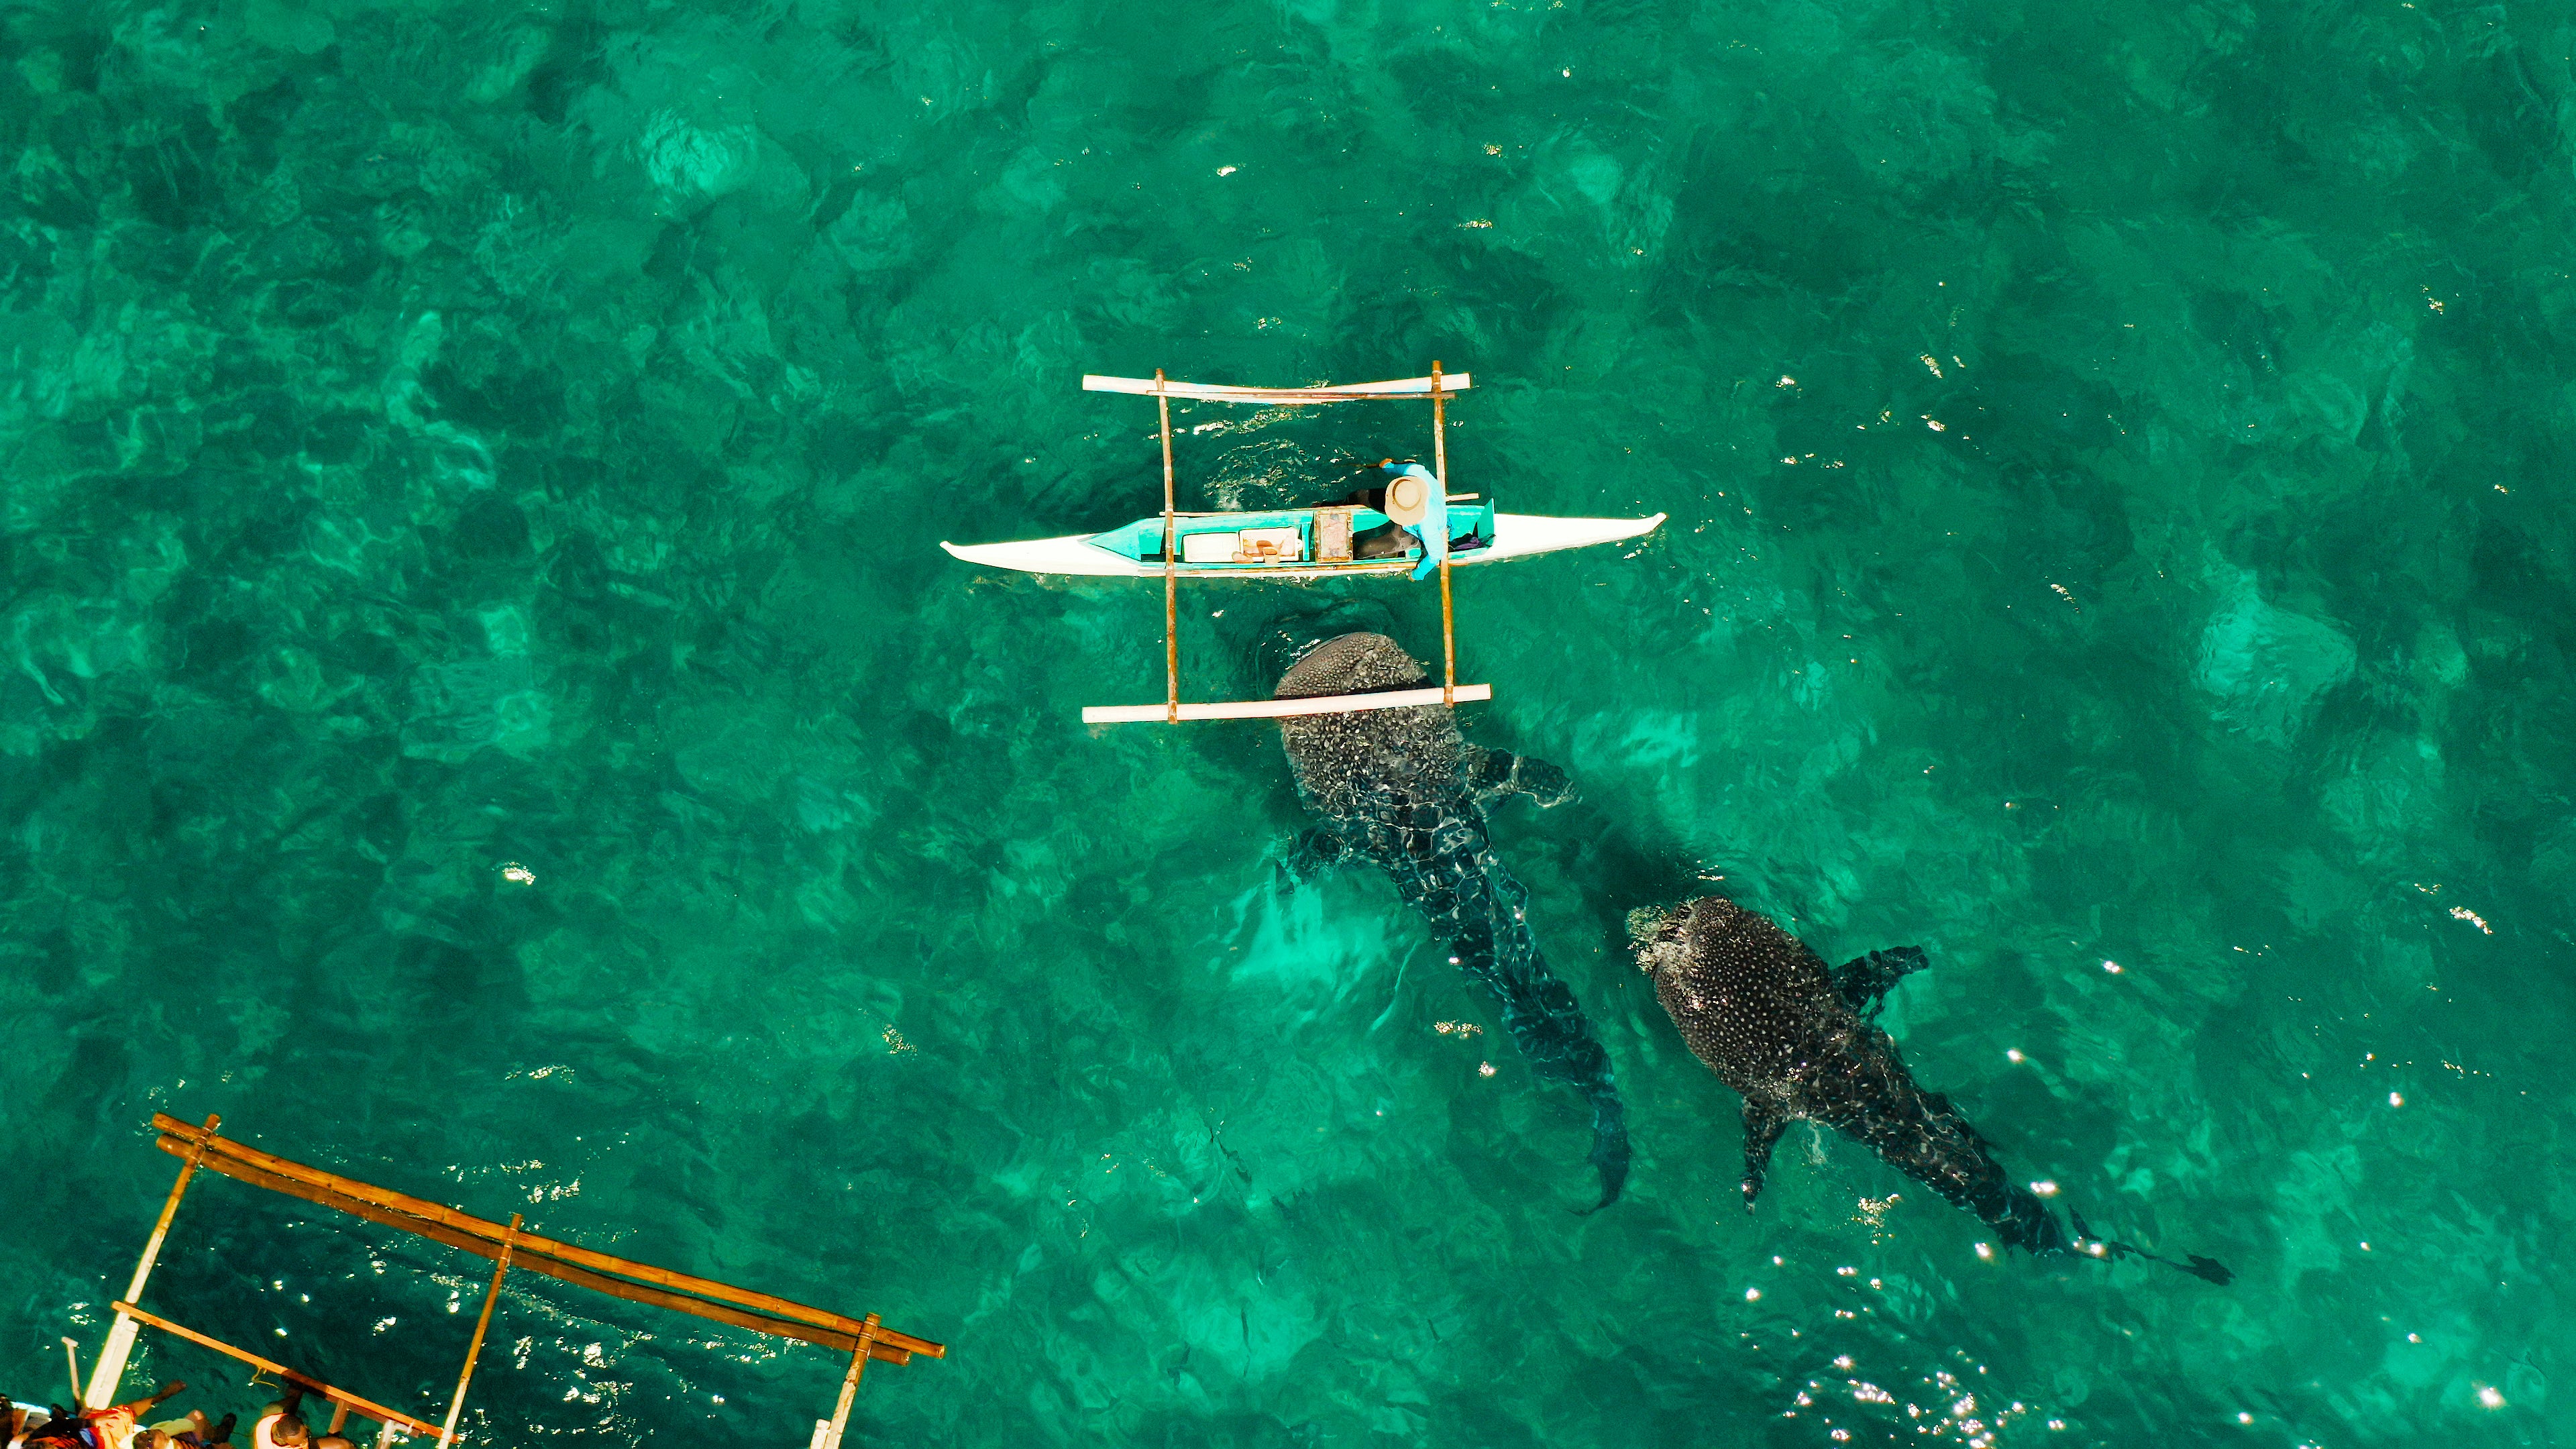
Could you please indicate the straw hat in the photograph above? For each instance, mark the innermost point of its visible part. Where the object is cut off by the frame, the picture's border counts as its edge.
(1408, 499)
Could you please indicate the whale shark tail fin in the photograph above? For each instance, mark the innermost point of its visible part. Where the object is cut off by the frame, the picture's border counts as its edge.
(1863, 984)
(2095, 1245)
(1762, 1129)
(1609, 1144)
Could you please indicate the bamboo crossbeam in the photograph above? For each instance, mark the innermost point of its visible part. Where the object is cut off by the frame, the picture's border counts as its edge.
(178, 1136)
(1171, 578)
(1440, 465)
(1282, 708)
(1316, 508)
(311, 1385)
(482, 1326)
(527, 1261)
(830, 1438)
(1403, 387)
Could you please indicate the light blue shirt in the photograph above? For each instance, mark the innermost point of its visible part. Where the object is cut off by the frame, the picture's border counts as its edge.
(1433, 530)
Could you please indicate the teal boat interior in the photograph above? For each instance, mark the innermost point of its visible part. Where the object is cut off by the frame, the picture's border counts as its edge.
(1323, 535)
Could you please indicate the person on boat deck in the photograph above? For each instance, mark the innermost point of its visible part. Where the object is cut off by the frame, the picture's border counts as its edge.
(1416, 503)
(38, 1426)
(113, 1427)
(195, 1431)
(277, 1426)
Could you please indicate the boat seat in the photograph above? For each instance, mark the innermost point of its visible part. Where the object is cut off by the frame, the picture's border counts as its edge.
(1209, 547)
(1244, 546)
(1270, 545)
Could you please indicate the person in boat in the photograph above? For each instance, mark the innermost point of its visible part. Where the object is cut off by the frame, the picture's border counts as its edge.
(278, 1426)
(1417, 512)
(113, 1427)
(194, 1431)
(60, 1425)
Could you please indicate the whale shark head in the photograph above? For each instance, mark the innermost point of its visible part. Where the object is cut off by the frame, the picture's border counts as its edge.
(1414, 750)
(1351, 664)
(1750, 1000)
(1655, 935)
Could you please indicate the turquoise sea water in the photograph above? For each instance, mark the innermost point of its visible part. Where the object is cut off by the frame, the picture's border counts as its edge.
(2118, 465)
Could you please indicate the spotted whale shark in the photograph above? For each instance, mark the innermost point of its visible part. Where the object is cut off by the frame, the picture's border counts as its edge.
(1800, 1042)
(1401, 790)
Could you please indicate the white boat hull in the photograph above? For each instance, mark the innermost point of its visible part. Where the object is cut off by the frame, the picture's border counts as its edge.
(1516, 535)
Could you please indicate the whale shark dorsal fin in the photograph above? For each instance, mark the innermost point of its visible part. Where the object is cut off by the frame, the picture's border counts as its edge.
(1492, 773)
(1863, 983)
(1762, 1129)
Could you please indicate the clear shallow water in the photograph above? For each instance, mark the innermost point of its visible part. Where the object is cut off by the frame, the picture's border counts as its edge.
(438, 437)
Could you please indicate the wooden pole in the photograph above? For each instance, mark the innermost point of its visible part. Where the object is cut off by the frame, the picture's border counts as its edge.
(71, 1357)
(474, 1350)
(390, 1418)
(1440, 469)
(1171, 577)
(339, 1417)
(831, 1438)
(105, 1374)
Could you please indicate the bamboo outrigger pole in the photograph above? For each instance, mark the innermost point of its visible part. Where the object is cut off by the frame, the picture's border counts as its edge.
(482, 1325)
(1171, 579)
(1440, 469)
(110, 1367)
(831, 1436)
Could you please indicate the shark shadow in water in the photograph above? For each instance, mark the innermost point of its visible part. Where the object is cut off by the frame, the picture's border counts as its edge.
(1800, 1042)
(1399, 789)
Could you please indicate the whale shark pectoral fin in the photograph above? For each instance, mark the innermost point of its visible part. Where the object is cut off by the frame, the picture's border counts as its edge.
(1487, 772)
(1311, 854)
(1499, 772)
(1863, 983)
(1541, 781)
(1762, 1129)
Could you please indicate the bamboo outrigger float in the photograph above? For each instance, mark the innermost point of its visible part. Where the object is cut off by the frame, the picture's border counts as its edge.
(1292, 544)
(509, 1247)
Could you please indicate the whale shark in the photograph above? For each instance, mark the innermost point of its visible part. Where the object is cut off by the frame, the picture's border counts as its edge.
(1800, 1042)
(1401, 790)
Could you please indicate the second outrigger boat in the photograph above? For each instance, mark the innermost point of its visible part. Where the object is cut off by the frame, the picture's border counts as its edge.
(1327, 540)
(511, 1247)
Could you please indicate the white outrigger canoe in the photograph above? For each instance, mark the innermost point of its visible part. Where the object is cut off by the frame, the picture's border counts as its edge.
(1333, 540)
(1306, 543)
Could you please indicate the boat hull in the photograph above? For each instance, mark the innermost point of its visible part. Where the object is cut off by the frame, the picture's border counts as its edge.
(1516, 535)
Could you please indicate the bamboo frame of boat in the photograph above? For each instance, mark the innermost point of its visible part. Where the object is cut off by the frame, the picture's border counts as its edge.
(1438, 388)
(863, 1338)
